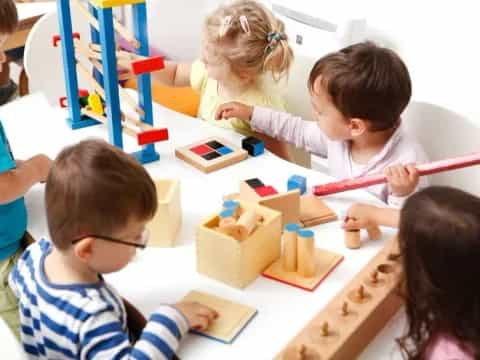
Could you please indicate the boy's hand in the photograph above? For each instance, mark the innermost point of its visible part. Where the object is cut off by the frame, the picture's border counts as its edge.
(360, 216)
(234, 110)
(402, 179)
(41, 164)
(199, 317)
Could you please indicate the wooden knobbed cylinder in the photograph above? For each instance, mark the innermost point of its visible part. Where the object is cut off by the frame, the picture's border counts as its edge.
(374, 233)
(352, 238)
(247, 222)
(306, 253)
(289, 239)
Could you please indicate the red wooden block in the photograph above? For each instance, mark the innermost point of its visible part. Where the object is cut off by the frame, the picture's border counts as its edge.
(151, 136)
(201, 149)
(148, 65)
(266, 190)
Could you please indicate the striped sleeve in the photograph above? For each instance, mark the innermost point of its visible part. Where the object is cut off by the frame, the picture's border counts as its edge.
(103, 336)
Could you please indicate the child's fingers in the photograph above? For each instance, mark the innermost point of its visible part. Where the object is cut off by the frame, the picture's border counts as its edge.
(210, 314)
(201, 323)
(351, 224)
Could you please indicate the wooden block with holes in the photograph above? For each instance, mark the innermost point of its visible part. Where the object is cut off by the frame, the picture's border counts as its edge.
(353, 318)
(287, 203)
(211, 154)
(166, 223)
(238, 263)
(232, 319)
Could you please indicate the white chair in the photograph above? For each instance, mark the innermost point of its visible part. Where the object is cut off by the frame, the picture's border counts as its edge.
(443, 134)
(43, 62)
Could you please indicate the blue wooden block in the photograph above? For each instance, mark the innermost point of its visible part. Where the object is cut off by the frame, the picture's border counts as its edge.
(253, 146)
(297, 182)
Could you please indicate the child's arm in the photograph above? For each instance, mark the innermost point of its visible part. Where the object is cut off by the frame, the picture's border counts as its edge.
(363, 216)
(103, 336)
(16, 182)
(173, 74)
(301, 133)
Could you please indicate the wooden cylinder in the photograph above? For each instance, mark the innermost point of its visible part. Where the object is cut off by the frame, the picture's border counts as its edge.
(289, 239)
(306, 253)
(374, 233)
(352, 239)
(232, 205)
(247, 221)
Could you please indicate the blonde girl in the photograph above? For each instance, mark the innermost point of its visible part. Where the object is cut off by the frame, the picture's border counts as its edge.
(243, 45)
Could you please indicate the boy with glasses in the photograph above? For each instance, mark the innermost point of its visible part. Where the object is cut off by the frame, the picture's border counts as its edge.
(98, 202)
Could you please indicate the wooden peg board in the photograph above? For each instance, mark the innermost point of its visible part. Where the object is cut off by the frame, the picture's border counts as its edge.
(232, 319)
(349, 334)
(211, 154)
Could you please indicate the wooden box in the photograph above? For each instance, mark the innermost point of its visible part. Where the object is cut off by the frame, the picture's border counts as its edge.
(168, 218)
(238, 263)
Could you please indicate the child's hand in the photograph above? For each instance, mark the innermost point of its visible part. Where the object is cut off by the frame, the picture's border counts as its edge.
(360, 216)
(402, 179)
(199, 317)
(234, 110)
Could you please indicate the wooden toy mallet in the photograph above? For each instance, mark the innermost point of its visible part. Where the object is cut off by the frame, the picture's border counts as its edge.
(423, 169)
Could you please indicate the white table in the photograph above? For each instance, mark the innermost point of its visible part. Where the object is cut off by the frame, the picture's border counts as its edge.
(166, 275)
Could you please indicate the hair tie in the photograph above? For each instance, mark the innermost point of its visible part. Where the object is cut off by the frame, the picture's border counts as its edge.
(273, 38)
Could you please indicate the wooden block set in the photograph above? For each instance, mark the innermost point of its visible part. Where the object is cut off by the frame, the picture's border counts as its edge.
(306, 210)
(301, 264)
(288, 203)
(353, 318)
(103, 105)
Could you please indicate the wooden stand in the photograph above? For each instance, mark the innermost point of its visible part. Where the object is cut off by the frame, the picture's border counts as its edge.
(355, 315)
(301, 265)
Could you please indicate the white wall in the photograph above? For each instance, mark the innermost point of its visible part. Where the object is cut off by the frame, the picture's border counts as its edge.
(439, 41)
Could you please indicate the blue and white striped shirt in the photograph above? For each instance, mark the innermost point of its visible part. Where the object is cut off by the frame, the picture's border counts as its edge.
(84, 321)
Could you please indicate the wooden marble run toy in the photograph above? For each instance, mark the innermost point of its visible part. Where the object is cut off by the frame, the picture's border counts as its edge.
(423, 169)
(104, 57)
(355, 315)
(237, 246)
(167, 221)
(232, 319)
(301, 264)
(211, 154)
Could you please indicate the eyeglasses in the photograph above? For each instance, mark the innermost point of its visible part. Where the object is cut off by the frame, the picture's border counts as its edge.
(141, 245)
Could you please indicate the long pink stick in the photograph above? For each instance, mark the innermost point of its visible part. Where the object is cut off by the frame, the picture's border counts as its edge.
(423, 169)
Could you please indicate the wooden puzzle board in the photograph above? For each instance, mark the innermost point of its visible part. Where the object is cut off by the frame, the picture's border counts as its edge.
(326, 261)
(232, 318)
(211, 154)
(314, 211)
(349, 334)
